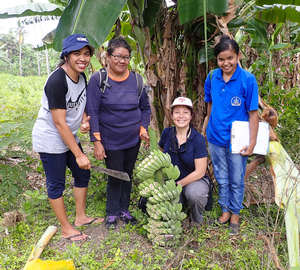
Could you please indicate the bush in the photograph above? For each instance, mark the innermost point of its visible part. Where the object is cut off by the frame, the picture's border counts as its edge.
(19, 103)
(284, 101)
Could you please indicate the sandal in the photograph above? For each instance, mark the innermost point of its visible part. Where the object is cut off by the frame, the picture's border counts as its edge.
(217, 222)
(73, 236)
(91, 222)
(234, 228)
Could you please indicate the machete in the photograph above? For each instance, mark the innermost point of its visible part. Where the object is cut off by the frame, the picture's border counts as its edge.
(117, 174)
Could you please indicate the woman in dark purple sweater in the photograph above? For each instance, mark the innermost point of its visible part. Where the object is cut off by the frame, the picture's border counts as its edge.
(119, 120)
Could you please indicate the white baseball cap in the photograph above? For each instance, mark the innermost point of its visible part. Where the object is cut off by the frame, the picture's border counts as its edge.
(182, 101)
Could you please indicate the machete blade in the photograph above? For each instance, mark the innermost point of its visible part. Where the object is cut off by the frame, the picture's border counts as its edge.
(117, 174)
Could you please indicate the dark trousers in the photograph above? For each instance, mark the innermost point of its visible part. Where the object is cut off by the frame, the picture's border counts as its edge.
(55, 170)
(195, 195)
(118, 191)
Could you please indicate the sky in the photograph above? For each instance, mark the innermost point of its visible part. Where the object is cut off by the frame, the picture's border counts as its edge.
(41, 28)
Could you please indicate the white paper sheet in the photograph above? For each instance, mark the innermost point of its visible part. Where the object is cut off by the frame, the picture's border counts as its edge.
(240, 137)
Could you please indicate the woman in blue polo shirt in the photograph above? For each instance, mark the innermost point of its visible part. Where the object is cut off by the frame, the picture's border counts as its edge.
(231, 94)
(187, 149)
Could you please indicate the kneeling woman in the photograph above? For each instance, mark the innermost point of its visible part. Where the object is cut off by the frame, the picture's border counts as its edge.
(187, 149)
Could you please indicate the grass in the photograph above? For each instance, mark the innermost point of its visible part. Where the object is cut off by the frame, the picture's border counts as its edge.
(262, 230)
(261, 242)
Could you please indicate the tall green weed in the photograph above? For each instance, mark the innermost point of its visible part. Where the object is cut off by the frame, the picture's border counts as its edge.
(19, 103)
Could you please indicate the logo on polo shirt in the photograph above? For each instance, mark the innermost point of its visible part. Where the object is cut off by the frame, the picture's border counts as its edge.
(236, 101)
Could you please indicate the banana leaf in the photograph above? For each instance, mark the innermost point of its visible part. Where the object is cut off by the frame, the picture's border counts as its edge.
(60, 2)
(236, 23)
(286, 178)
(283, 2)
(95, 63)
(31, 9)
(280, 46)
(191, 9)
(289, 53)
(201, 55)
(279, 13)
(260, 31)
(93, 18)
(150, 12)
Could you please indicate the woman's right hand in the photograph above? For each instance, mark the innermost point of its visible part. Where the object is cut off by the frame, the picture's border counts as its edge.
(83, 162)
(99, 151)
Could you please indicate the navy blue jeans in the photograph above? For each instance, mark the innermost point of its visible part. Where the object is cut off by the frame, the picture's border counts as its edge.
(229, 170)
(118, 191)
(55, 169)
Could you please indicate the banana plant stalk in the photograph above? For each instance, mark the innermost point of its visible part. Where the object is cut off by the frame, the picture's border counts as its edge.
(159, 177)
(153, 139)
(34, 263)
(286, 179)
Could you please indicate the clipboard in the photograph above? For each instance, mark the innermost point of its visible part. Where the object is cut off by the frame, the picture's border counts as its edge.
(240, 137)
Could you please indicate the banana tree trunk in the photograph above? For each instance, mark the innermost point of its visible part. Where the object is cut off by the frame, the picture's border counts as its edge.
(20, 58)
(47, 61)
(270, 71)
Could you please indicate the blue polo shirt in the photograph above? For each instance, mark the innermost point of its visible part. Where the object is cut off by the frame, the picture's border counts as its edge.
(193, 148)
(231, 101)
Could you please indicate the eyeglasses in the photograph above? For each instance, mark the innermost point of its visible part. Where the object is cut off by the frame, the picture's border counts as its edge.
(174, 146)
(175, 149)
(120, 57)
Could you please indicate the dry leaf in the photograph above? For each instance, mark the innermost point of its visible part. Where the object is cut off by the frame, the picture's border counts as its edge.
(151, 78)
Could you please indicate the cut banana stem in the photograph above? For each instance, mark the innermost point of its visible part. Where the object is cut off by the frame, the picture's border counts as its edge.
(159, 177)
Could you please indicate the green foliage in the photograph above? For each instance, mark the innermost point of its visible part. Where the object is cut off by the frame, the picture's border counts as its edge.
(289, 119)
(19, 106)
(83, 11)
(12, 180)
(19, 103)
(35, 201)
(284, 101)
(190, 10)
(32, 10)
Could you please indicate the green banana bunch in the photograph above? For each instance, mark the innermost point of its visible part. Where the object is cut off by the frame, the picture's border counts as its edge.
(172, 172)
(168, 192)
(169, 227)
(155, 161)
(171, 190)
(165, 216)
(147, 187)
